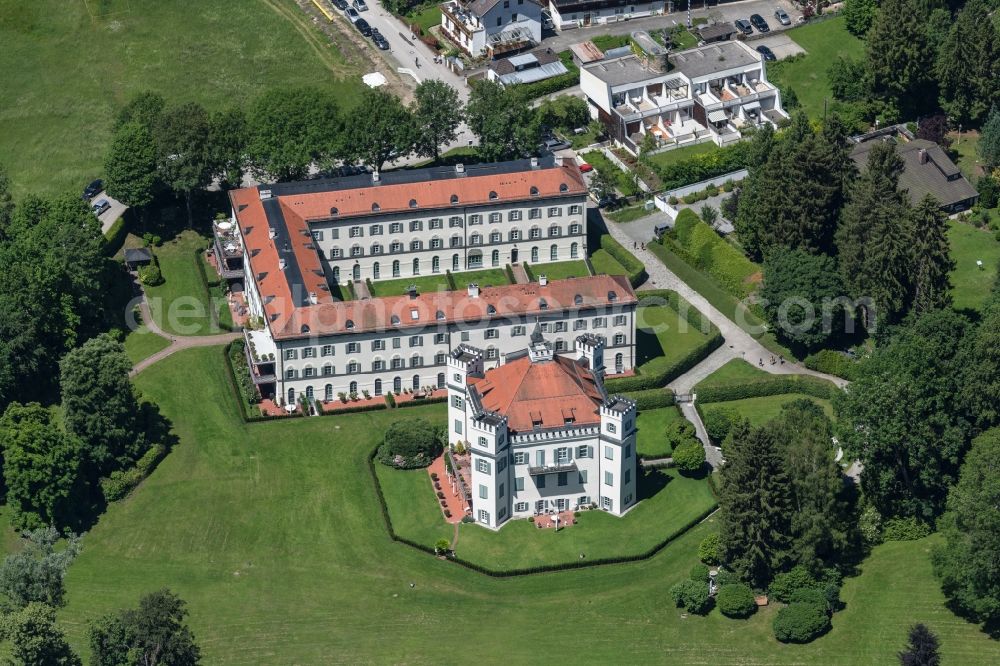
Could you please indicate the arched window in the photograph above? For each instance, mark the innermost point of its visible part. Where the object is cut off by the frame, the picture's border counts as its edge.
(416, 382)
(395, 268)
(619, 364)
(328, 392)
(493, 195)
(554, 252)
(533, 191)
(476, 259)
(376, 208)
(574, 251)
(309, 392)
(534, 255)
(416, 267)
(357, 272)
(495, 257)
(353, 387)
(336, 274)
(454, 199)
(454, 262)
(563, 187)
(413, 203)
(375, 271)
(435, 264)
(291, 396)
(378, 387)
(440, 383)
(397, 384)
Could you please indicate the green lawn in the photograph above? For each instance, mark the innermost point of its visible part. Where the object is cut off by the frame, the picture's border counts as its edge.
(425, 284)
(824, 41)
(68, 66)
(142, 344)
(181, 305)
(663, 338)
(680, 154)
(605, 264)
(630, 213)
(426, 17)
(674, 501)
(561, 270)
(623, 181)
(963, 151)
(271, 532)
(652, 423)
(487, 277)
(761, 410)
(971, 284)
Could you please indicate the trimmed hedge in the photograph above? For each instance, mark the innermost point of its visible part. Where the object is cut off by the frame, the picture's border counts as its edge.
(241, 370)
(357, 408)
(122, 482)
(832, 362)
(774, 385)
(507, 573)
(736, 600)
(451, 280)
(528, 272)
(421, 402)
(801, 622)
(234, 386)
(509, 272)
(652, 399)
(115, 238)
(699, 245)
(636, 270)
(209, 285)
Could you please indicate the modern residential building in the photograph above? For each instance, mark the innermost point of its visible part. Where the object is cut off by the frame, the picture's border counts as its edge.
(410, 223)
(306, 342)
(529, 67)
(568, 14)
(702, 94)
(492, 28)
(926, 168)
(543, 434)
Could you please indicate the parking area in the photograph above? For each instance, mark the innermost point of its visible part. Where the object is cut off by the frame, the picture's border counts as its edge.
(781, 44)
(115, 210)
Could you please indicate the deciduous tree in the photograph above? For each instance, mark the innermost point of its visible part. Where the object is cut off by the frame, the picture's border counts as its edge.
(35, 573)
(859, 16)
(979, 364)
(290, 130)
(36, 640)
(227, 145)
(182, 142)
(130, 173)
(503, 121)
(379, 129)
(437, 113)
(153, 634)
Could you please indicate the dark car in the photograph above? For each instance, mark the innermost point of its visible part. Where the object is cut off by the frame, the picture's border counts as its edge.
(363, 27)
(553, 144)
(766, 53)
(744, 26)
(339, 4)
(379, 39)
(93, 189)
(759, 23)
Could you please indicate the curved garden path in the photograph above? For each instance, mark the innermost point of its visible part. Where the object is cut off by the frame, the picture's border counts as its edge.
(177, 342)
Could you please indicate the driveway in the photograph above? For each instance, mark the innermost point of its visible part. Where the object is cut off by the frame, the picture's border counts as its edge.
(782, 45)
(729, 11)
(109, 216)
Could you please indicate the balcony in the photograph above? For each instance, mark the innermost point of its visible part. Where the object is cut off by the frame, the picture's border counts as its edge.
(227, 246)
(462, 18)
(552, 469)
(261, 356)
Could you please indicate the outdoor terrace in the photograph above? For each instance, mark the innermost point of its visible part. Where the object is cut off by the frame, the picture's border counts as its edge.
(227, 246)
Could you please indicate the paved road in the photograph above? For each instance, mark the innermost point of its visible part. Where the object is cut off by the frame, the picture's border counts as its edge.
(729, 11)
(108, 217)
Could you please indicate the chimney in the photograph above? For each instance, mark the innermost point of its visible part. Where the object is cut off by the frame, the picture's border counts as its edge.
(272, 233)
(473, 290)
(265, 194)
(922, 155)
(534, 162)
(543, 280)
(459, 168)
(375, 176)
(558, 160)
(313, 299)
(282, 264)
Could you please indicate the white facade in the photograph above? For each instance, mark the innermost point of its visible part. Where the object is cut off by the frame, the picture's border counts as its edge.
(492, 27)
(572, 14)
(545, 469)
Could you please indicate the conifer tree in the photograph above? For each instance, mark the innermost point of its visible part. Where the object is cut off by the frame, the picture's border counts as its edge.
(968, 65)
(932, 260)
(755, 503)
(900, 59)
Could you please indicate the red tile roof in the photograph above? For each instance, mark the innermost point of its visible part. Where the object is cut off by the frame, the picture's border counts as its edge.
(546, 393)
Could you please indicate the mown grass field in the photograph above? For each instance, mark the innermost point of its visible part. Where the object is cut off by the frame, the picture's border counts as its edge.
(664, 337)
(605, 264)
(142, 344)
(669, 157)
(69, 65)
(271, 532)
(824, 42)
(970, 283)
(652, 424)
(761, 410)
(560, 270)
(669, 502)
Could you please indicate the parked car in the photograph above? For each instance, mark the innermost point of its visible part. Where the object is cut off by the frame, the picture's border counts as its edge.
(380, 40)
(766, 53)
(759, 23)
(553, 144)
(352, 14)
(363, 27)
(100, 206)
(584, 167)
(339, 4)
(360, 5)
(782, 16)
(744, 26)
(547, 23)
(93, 189)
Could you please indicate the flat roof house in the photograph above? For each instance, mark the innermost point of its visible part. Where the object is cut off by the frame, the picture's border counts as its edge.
(526, 68)
(569, 14)
(542, 433)
(492, 28)
(926, 170)
(702, 94)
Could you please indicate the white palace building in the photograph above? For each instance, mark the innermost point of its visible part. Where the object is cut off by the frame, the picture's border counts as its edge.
(296, 240)
(542, 432)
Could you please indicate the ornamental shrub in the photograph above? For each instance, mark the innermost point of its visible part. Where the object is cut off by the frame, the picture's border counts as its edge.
(692, 596)
(409, 444)
(904, 529)
(784, 584)
(708, 550)
(699, 245)
(726, 577)
(679, 431)
(736, 600)
(832, 362)
(718, 423)
(150, 275)
(699, 573)
(801, 622)
(689, 457)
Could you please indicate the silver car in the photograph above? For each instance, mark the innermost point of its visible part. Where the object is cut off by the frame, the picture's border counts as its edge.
(782, 16)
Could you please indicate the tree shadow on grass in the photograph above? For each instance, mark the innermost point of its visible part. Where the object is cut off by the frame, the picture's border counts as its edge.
(651, 482)
(647, 346)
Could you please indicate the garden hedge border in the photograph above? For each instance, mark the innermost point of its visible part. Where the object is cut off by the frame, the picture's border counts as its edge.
(208, 285)
(509, 272)
(115, 238)
(636, 270)
(547, 568)
(775, 385)
(696, 319)
(356, 409)
(231, 376)
(652, 398)
(421, 402)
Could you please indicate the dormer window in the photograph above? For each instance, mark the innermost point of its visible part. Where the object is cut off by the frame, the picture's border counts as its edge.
(493, 195)
(563, 187)
(612, 296)
(439, 315)
(394, 320)
(413, 203)
(543, 304)
(454, 199)
(578, 300)
(376, 208)
(414, 314)
(334, 212)
(534, 191)
(305, 328)
(490, 309)
(350, 324)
